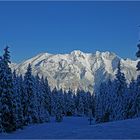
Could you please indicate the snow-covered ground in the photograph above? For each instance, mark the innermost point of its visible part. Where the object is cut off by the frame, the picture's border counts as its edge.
(79, 128)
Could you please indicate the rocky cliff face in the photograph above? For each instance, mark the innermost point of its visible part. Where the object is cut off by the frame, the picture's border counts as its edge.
(78, 69)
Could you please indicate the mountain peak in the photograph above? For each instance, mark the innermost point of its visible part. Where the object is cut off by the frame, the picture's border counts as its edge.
(77, 52)
(77, 69)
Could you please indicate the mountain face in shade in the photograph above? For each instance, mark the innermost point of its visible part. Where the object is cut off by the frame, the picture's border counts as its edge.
(77, 69)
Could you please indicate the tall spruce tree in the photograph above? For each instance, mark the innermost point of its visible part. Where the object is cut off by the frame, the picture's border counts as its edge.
(69, 103)
(110, 99)
(137, 96)
(37, 98)
(53, 101)
(1, 78)
(23, 98)
(6, 90)
(130, 108)
(92, 104)
(100, 104)
(30, 107)
(80, 107)
(45, 100)
(17, 101)
(58, 97)
(46, 94)
(120, 93)
(61, 92)
(87, 103)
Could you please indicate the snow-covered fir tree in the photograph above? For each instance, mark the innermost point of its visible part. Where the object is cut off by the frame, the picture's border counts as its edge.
(136, 96)
(69, 103)
(38, 93)
(120, 88)
(130, 108)
(100, 109)
(110, 99)
(92, 104)
(80, 107)
(136, 105)
(58, 105)
(1, 76)
(45, 99)
(17, 101)
(61, 92)
(87, 103)
(46, 94)
(53, 101)
(30, 107)
(6, 91)
(23, 98)
(110, 102)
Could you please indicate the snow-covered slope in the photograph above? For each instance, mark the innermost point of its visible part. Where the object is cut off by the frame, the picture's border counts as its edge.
(79, 128)
(78, 69)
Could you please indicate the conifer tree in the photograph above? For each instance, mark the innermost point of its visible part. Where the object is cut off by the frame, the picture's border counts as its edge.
(70, 106)
(61, 92)
(120, 93)
(6, 90)
(137, 96)
(87, 103)
(53, 101)
(92, 103)
(105, 102)
(46, 94)
(30, 108)
(38, 98)
(130, 108)
(45, 100)
(23, 98)
(58, 105)
(80, 108)
(1, 77)
(110, 100)
(17, 101)
(100, 104)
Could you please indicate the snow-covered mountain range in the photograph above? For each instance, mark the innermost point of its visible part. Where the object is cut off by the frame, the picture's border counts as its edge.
(77, 69)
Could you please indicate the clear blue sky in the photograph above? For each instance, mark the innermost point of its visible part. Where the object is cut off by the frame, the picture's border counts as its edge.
(30, 28)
